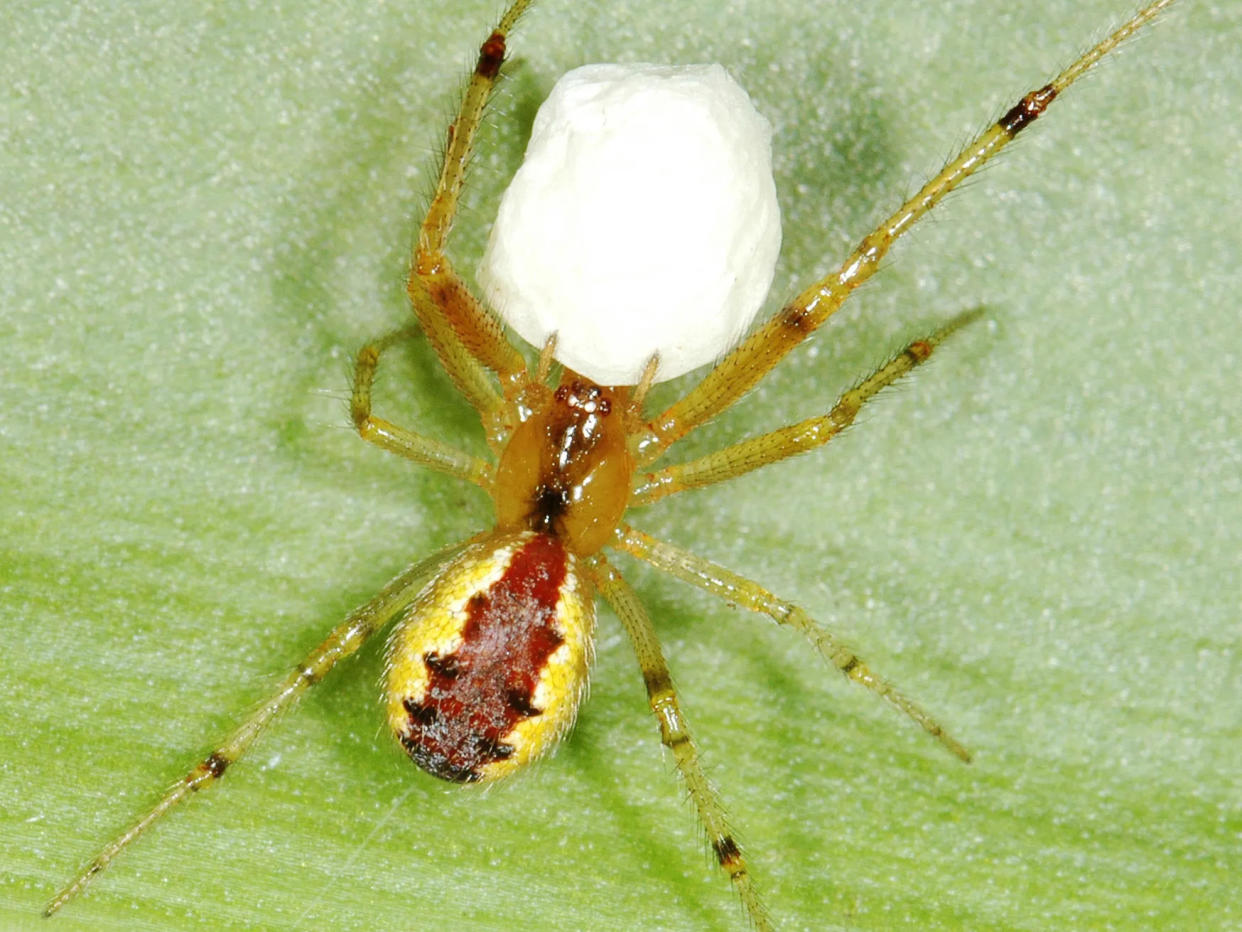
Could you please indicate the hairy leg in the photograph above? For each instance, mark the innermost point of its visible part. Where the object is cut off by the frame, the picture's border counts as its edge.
(748, 455)
(739, 590)
(343, 641)
(738, 372)
(675, 733)
(446, 308)
(415, 447)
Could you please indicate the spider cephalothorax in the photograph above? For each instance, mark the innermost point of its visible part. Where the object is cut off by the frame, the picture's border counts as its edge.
(567, 469)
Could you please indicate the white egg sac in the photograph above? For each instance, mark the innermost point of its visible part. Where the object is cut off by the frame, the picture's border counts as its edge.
(642, 221)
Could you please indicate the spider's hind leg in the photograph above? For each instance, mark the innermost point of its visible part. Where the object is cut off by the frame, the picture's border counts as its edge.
(675, 734)
(344, 640)
(739, 590)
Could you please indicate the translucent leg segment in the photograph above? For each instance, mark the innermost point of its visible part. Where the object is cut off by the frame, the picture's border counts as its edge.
(739, 590)
(406, 443)
(738, 372)
(675, 733)
(749, 455)
(453, 314)
(344, 640)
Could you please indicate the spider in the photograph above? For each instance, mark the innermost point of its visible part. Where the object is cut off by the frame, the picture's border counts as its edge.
(570, 458)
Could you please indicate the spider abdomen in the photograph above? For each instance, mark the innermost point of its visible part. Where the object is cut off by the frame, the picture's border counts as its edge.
(486, 669)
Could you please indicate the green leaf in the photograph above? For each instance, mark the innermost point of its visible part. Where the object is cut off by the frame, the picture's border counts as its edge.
(204, 211)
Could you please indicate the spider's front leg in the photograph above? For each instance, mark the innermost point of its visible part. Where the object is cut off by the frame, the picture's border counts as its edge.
(750, 361)
(454, 320)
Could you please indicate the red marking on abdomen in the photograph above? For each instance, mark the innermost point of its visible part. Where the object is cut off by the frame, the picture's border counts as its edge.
(477, 694)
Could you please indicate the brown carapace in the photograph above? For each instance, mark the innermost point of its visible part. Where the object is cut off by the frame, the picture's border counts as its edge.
(490, 660)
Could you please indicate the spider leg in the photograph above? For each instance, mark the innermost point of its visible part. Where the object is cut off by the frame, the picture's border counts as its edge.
(741, 591)
(468, 375)
(452, 317)
(675, 733)
(754, 452)
(344, 640)
(750, 361)
(422, 450)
